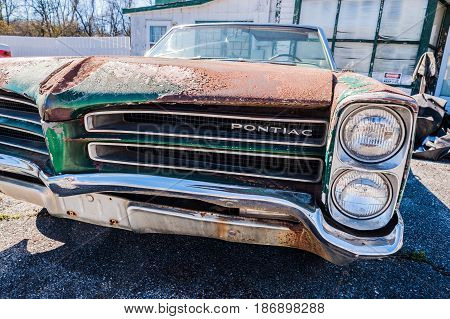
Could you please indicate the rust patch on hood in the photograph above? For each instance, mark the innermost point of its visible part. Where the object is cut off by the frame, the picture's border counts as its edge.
(253, 83)
(209, 82)
(70, 74)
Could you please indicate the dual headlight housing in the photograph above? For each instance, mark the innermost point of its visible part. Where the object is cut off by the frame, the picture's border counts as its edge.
(372, 134)
(368, 164)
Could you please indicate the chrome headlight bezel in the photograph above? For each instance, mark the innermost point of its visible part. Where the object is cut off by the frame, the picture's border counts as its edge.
(377, 160)
(392, 168)
(376, 221)
(349, 214)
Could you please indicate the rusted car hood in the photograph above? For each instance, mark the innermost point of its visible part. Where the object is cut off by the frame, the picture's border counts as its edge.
(63, 88)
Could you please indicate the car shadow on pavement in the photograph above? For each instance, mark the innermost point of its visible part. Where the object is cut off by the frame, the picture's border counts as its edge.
(96, 262)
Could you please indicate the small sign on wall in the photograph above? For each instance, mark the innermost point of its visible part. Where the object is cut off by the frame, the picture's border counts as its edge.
(392, 78)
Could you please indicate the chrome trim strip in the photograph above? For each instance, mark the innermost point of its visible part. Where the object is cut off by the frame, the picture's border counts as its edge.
(17, 165)
(13, 128)
(88, 123)
(31, 149)
(205, 150)
(208, 115)
(8, 114)
(93, 155)
(11, 99)
(326, 46)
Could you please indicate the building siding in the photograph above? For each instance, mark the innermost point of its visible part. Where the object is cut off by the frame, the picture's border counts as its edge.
(287, 11)
(257, 11)
(66, 46)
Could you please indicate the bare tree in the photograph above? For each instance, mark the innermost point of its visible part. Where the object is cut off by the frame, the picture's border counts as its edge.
(117, 23)
(64, 17)
(7, 9)
(86, 14)
(43, 10)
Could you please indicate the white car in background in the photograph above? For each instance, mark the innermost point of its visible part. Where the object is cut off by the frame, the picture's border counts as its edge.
(5, 51)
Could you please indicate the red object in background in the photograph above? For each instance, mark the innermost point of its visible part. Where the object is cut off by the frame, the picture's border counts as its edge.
(5, 51)
(5, 54)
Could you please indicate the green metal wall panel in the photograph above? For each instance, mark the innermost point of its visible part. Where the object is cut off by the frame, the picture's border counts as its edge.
(426, 35)
(336, 22)
(375, 40)
(297, 11)
(423, 42)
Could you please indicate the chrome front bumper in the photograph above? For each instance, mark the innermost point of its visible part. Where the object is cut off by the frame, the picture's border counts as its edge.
(82, 197)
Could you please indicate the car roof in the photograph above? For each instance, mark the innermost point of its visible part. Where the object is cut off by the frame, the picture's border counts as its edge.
(4, 47)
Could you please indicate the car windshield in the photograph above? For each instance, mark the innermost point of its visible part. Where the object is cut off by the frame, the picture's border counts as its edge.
(270, 44)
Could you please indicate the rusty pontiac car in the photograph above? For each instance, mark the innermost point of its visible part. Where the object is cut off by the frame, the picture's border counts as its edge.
(234, 131)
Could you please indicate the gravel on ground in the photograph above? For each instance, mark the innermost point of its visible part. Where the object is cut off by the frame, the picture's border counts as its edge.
(46, 257)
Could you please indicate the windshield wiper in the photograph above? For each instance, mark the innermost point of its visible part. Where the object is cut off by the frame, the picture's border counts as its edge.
(199, 57)
(278, 62)
(222, 59)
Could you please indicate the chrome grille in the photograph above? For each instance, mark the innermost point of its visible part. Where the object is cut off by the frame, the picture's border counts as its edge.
(20, 134)
(259, 165)
(20, 124)
(23, 139)
(17, 104)
(267, 130)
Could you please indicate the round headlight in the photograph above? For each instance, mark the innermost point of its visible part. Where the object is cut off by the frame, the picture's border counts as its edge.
(372, 134)
(361, 195)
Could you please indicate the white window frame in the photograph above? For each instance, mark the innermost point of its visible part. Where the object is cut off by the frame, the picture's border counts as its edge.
(154, 23)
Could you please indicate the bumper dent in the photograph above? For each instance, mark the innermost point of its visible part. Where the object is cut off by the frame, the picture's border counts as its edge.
(82, 194)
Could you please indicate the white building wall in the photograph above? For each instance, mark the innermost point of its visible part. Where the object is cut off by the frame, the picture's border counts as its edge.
(287, 11)
(66, 46)
(257, 11)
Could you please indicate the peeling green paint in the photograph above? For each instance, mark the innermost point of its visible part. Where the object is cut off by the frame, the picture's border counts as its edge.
(24, 76)
(353, 81)
(79, 102)
(66, 151)
(355, 84)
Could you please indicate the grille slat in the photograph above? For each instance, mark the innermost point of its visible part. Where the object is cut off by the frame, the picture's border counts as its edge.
(17, 105)
(23, 140)
(21, 124)
(20, 116)
(210, 127)
(204, 160)
(20, 134)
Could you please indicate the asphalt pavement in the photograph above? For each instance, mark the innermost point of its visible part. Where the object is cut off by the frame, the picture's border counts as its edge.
(45, 257)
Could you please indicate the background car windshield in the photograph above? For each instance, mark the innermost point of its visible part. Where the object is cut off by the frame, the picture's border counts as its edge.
(249, 43)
